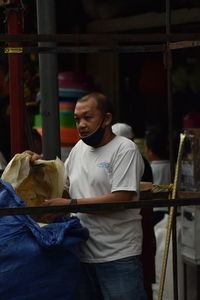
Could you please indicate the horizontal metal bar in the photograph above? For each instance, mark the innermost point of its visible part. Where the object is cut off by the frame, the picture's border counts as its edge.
(88, 49)
(99, 49)
(99, 207)
(99, 38)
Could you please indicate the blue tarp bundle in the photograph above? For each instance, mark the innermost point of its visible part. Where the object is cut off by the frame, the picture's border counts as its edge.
(37, 263)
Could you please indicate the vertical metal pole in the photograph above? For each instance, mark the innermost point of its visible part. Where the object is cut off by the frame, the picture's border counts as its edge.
(16, 86)
(171, 146)
(46, 23)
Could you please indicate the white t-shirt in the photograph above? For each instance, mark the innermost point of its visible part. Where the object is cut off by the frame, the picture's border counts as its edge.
(116, 166)
(161, 172)
(161, 176)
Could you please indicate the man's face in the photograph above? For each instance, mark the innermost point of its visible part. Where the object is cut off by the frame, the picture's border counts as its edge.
(87, 116)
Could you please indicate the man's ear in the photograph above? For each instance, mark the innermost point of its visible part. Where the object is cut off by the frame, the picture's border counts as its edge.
(149, 154)
(108, 119)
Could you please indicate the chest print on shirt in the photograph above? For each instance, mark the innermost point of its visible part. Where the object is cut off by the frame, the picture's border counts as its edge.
(104, 165)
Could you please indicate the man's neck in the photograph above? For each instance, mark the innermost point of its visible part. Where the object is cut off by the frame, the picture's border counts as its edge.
(108, 136)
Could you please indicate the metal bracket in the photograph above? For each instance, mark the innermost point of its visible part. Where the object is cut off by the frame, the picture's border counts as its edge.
(13, 50)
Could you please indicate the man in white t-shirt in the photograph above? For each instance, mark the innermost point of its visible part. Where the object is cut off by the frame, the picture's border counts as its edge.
(102, 168)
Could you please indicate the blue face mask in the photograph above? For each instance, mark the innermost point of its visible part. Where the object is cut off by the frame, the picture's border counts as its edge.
(95, 138)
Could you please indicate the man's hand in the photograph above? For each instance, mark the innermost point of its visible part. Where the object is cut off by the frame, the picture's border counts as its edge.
(49, 218)
(34, 156)
(56, 202)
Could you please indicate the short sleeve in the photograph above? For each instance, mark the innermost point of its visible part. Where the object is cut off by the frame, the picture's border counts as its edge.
(128, 168)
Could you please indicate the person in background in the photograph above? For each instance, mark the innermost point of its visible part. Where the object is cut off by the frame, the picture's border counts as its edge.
(157, 152)
(156, 147)
(149, 241)
(102, 168)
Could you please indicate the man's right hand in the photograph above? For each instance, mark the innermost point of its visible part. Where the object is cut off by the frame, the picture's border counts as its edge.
(34, 156)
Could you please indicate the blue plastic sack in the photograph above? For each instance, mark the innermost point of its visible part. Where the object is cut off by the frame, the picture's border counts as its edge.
(37, 263)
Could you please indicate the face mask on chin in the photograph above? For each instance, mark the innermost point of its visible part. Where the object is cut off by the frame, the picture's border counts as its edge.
(95, 138)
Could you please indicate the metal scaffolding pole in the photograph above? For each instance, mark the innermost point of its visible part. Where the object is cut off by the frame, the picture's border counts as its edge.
(16, 87)
(46, 24)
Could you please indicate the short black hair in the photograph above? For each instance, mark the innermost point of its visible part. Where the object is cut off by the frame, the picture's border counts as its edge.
(156, 138)
(103, 104)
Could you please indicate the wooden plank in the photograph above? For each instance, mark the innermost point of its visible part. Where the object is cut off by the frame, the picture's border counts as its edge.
(189, 195)
(184, 44)
(143, 21)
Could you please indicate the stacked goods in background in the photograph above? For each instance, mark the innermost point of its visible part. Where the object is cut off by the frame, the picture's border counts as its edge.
(190, 186)
(190, 166)
(72, 86)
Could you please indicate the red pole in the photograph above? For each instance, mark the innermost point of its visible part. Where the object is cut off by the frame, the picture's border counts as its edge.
(16, 85)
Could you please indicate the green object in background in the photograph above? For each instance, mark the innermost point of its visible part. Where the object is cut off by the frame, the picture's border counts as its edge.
(66, 121)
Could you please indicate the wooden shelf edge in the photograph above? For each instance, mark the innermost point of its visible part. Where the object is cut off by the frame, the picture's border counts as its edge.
(143, 21)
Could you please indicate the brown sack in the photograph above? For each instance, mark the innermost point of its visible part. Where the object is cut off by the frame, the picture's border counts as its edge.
(44, 179)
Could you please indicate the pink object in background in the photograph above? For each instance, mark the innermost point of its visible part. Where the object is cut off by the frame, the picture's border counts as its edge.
(75, 80)
(192, 120)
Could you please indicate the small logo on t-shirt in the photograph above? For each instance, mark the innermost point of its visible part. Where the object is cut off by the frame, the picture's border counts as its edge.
(104, 164)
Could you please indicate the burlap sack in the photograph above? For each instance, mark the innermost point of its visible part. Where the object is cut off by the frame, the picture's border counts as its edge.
(44, 179)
